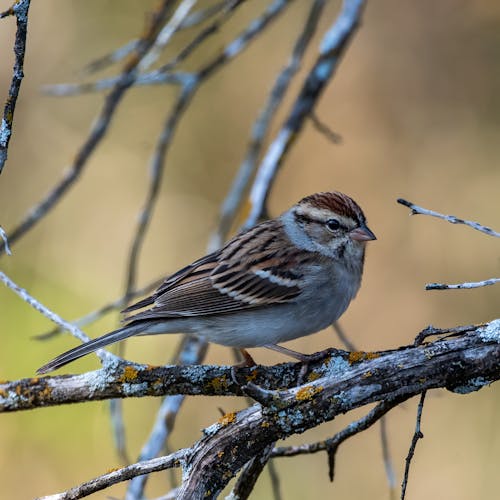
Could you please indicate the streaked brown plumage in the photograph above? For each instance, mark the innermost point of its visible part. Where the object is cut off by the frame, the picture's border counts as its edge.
(282, 279)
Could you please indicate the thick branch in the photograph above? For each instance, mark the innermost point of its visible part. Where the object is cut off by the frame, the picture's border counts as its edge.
(464, 363)
(340, 383)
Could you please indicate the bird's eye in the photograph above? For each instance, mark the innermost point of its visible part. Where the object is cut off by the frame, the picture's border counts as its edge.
(332, 224)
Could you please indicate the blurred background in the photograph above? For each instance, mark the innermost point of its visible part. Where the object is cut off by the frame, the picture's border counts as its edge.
(416, 101)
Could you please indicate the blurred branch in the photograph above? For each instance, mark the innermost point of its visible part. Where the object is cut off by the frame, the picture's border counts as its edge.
(235, 196)
(324, 129)
(461, 286)
(161, 76)
(415, 210)
(190, 353)
(3, 236)
(339, 384)
(384, 440)
(166, 33)
(93, 316)
(416, 436)
(189, 89)
(386, 456)
(117, 476)
(332, 47)
(52, 316)
(20, 11)
(98, 129)
(190, 21)
(38, 306)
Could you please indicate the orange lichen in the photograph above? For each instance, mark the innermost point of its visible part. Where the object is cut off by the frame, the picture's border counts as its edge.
(129, 374)
(265, 424)
(228, 418)
(219, 384)
(46, 392)
(367, 374)
(357, 356)
(220, 454)
(252, 376)
(313, 376)
(307, 392)
(113, 469)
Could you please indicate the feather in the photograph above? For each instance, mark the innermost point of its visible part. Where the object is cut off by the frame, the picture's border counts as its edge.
(219, 283)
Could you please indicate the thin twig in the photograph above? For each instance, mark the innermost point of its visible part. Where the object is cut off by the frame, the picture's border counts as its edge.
(157, 169)
(331, 445)
(20, 11)
(98, 131)
(324, 129)
(38, 306)
(415, 210)
(161, 76)
(113, 57)
(3, 236)
(122, 52)
(331, 49)
(384, 438)
(235, 196)
(432, 331)
(275, 480)
(461, 286)
(386, 455)
(416, 436)
(233, 49)
(190, 353)
(156, 77)
(97, 314)
(343, 337)
(117, 476)
(166, 33)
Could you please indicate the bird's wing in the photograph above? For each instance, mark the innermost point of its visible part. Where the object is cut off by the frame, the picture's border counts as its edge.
(254, 269)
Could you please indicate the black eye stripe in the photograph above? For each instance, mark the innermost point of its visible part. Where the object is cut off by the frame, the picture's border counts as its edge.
(306, 219)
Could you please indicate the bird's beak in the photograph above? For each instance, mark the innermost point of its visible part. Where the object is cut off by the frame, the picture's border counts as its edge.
(362, 233)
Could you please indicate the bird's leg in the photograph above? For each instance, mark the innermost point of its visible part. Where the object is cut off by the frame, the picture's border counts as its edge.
(247, 362)
(306, 359)
(289, 352)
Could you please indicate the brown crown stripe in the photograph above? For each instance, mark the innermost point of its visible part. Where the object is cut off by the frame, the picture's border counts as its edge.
(336, 202)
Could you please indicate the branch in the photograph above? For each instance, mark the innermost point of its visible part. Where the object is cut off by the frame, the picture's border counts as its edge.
(332, 47)
(20, 11)
(120, 475)
(97, 132)
(416, 436)
(340, 383)
(236, 194)
(461, 286)
(415, 210)
(444, 363)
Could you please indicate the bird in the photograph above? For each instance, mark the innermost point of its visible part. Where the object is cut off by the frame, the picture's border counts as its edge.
(282, 279)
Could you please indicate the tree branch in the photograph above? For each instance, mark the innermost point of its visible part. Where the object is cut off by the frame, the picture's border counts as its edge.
(470, 358)
(342, 382)
(415, 210)
(20, 10)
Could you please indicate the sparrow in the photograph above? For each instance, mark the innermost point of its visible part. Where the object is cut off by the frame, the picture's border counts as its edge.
(282, 279)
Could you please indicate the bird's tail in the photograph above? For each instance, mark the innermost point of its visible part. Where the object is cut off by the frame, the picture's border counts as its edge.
(91, 346)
